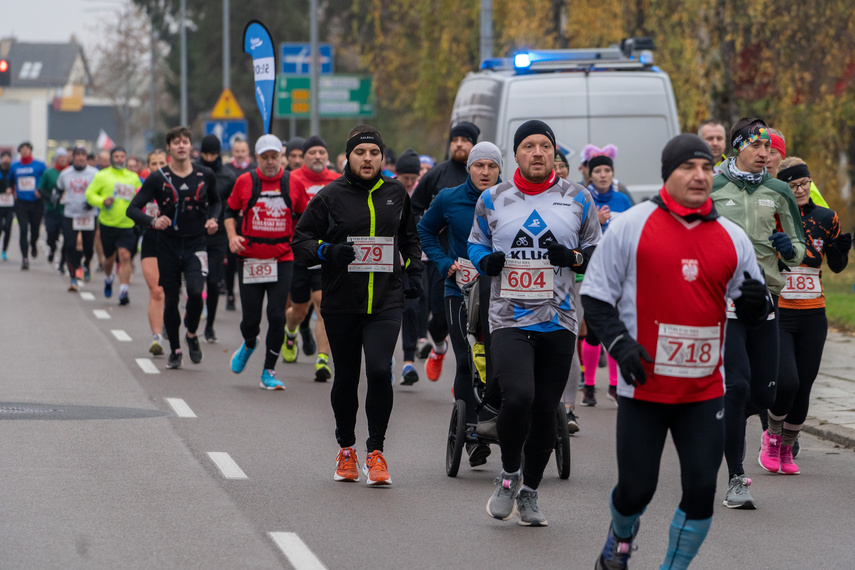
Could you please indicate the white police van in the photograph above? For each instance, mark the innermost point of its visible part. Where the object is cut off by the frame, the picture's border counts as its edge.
(588, 96)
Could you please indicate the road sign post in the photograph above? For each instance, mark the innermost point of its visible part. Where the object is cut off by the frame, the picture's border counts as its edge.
(294, 58)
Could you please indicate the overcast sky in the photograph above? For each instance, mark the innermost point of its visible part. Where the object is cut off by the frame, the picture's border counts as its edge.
(54, 21)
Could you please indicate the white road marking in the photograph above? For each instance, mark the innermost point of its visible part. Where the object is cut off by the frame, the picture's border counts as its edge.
(296, 551)
(227, 465)
(121, 335)
(101, 314)
(180, 407)
(87, 296)
(147, 366)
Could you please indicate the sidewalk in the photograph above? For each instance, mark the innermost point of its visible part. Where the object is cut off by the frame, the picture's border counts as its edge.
(832, 408)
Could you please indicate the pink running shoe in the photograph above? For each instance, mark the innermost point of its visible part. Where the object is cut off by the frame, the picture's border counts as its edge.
(787, 465)
(770, 452)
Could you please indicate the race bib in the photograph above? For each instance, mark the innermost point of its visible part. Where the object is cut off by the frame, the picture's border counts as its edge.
(83, 224)
(260, 270)
(466, 274)
(527, 279)
(124, 191)
(7, 199)
(687, 352)
(373, 254)
(801, 283)
(203, 261)
(152, 210)
(27, 183)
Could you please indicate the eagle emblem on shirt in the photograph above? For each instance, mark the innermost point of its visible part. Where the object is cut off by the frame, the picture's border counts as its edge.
(690, 269)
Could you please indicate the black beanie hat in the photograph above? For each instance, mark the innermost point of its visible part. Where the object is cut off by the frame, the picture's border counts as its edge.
(313, 140)
(683, 148)
(465, 129)
(210, 145)
(561, 157)
(600, 160)
(294, 144)
(533, 127)
(408, 162)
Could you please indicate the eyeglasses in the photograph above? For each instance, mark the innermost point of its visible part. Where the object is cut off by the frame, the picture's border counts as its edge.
(802, 186)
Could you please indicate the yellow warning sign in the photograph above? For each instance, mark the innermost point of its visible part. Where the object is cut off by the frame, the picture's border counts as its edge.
(227, 107)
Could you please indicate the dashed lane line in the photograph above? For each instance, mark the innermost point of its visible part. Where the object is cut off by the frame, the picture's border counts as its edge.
(227, 465)
(180, 407)
(87, 296)
(121, 335)
(147, 366)
(101, 314)
(296, 551)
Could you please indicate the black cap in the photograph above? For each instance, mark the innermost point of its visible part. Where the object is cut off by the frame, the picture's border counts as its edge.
(210, 145)
(600, 160)
(294, 144)
(313, 140)
(465, 129)
(408, 162)
(533, 127)
(684, 148)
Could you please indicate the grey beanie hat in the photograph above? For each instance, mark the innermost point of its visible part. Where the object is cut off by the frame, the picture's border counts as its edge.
(485, 150)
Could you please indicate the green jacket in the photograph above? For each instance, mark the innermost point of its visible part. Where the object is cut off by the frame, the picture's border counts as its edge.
(119, 184)
(47, 187)
(757, 209)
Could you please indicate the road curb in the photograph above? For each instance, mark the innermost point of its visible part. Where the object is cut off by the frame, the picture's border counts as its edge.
(834, 433)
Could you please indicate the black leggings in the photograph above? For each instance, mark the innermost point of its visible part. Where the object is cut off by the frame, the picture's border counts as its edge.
(231, 268)
(531, 369)
(751, 373)
(698, 434)
(69, 242)
(217, 246)
(803, 333)
(455, 314)
(437, 325)
(177, 256)
(7, 214)
(252, 303)
(349, 336)
(29, 215)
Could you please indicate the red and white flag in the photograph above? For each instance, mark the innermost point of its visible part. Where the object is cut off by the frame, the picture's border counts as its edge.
(104, 141)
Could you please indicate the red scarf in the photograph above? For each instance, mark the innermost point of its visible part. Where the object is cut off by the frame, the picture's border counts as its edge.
(532, 188)
(682, 211)
(26, 161)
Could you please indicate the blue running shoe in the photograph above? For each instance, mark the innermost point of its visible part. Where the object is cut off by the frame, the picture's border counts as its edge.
(241, 357)
(4, 257)
(108, 289)
(270, 382)
(616, 552)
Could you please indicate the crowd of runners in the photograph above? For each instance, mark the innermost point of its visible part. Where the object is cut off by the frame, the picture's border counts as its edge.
(704, 302)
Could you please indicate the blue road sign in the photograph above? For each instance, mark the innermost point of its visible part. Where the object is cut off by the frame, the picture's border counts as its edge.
(295, 58)
(228, 131)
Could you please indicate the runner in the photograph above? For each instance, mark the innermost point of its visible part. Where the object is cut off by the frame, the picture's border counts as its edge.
(218, 243)
(294, 153)
(266, 203)
(452, 212)
(26, 174)
(186, 196)
(7, 200)
(715, 136)
(661, 249)
(448, 174)
(111, 191)
(362, 298)
(79, 216)
(744, 193)
(240, 162)
(306, 181)
(802, 326)
(53, 209)
(777, 154)
(536, 231)
(148, 262)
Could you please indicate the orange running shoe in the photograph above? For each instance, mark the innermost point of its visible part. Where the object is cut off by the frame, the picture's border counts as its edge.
(346, 465)
(433, 366)
(375, 469)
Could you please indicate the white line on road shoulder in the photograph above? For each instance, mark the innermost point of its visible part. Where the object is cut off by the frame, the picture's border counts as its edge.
(121, 335)
(180, 407)
(87, 296)
(101, 314)
(227, 465)
(147, 366)
(296, 551)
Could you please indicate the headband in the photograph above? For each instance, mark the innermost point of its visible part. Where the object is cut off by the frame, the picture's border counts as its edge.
(359, 138)
(794, 173)
(748, 134)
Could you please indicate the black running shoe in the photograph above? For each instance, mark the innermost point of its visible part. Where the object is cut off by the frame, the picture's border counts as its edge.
(210, 335)
(572, 422)
(309, 345)
(174, 359)
(194, 349)
(230, 303)
(478, 453)
(589, 399)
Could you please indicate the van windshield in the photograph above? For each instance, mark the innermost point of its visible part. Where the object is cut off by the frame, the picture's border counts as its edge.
(477, 101)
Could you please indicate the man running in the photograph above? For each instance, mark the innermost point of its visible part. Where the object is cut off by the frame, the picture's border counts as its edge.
(26, 174)
(363, 295)
(263, 203)
(111, 191)
(240, 162)
(715, 136)
(306, 181)
(661, 250)
(79, 215)
(765, 208)
(532, 233)
(7, 200)
(53, 208)
(294, 153)
(189, 206)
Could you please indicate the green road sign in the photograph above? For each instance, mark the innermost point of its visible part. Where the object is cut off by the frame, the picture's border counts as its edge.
(341, 96)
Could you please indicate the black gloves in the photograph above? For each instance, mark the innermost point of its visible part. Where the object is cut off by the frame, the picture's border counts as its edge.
(414, 291)
(781, 242)
(340, 253)
(562, 256)
(492, 264)
(843, 243)
(752, 305)
(629, 356)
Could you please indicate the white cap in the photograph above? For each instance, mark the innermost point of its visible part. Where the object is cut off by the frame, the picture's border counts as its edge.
(268, 142)
(60, 152)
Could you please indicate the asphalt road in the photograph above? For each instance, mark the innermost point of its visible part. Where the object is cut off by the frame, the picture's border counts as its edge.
(130, 484)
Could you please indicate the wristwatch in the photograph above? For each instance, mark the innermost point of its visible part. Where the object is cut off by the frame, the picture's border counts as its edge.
(579, 258)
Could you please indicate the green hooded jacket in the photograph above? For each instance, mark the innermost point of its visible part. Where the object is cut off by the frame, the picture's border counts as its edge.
(758, 209)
